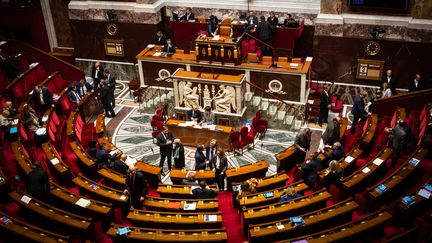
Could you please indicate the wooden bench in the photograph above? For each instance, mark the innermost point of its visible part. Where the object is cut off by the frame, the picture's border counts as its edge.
(346, 163)
(178, 175)
(314, 221)
(178, 191)
(19, 231)
(420, 204)
(87, 161)
(178, 205)
(22, 157)
(257, 170)
(162, 235)
(175, 220)
(285, 159)
(59, 165)
(368, 135)
(373, 224)
(113, 178)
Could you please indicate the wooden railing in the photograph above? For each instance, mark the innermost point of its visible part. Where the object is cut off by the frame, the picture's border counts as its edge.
(411, 101)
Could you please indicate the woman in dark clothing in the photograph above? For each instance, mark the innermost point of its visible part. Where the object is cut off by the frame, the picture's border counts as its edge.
(333, 174)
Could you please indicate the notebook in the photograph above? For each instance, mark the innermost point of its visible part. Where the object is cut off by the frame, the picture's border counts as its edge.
(13, 130)
(189, 206)
(424, 193)
(268, 194)
(408, 201)
(381, 189)
(414, 162)
(123, 230)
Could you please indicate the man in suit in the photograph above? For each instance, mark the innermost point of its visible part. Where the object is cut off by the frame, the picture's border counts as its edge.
(397, 140)
(194, 114)
(302, 144)
(105, 96)
(42, 98)
(390, 80)
(219, 167)
(73, 95)
(203, 192)
(178, 154)
(272, 19)
(38, 184)
(358, 110)
(84, 87)
(332, 132)
(161, 39)
(416, 84)
(264, 30)
(212, 25)
(208, 116)
(165, 142)
(111, 82)
(103, 157)
(211, 153)
(188, 16)
(91, 149)
(310, 170)
(135, 187)
(324, 106)
(97, 74)
(337, 154)
(252, 20)
(169, 47)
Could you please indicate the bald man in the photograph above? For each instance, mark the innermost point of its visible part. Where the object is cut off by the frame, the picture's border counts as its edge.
(135, 187)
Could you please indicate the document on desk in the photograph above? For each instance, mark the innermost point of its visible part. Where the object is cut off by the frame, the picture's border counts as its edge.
(157, 54)
(210, 218)
(378, 161)
(216, 38)
(349, 159)
(129, 160)
(41, 131)
(25, 199)
(190, 123)
(190, 206)
(55, 161)
(83, 202)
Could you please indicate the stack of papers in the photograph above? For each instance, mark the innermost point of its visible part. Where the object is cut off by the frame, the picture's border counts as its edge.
(366, 170)
(216, 37)
(424, 193)
(210, 127)
(414, 162)
(83, 202)
(25, 199)
(189, 206)
(41, 131)
(190, 123)
(150, 46)
(55, 161)
(378, 161)
(268, 194)
(157, 54)
(349, 159)
(129, 160)
(210, 218)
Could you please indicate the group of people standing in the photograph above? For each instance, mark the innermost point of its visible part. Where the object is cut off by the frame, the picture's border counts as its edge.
(105, 81)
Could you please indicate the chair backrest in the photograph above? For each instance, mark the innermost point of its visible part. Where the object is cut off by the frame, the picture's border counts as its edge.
(234, 136)
(244, 132)
(224, 30)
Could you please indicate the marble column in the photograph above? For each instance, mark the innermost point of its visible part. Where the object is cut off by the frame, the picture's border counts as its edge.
(239, 102)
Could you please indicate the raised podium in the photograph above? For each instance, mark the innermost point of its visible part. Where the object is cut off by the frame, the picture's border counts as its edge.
(218, 50)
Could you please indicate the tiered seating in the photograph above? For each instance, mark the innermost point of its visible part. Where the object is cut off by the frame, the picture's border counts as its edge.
(257, 170)
(178, 205)
(177, 191)
(79, 129)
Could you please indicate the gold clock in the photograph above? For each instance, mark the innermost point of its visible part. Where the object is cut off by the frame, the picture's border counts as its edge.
(112, 29)
(372, 48)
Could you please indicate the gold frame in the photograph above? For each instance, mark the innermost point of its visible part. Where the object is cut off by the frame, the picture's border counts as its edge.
(114, 47)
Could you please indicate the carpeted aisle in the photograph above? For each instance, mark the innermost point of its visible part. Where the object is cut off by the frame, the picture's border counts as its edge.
(231, 218)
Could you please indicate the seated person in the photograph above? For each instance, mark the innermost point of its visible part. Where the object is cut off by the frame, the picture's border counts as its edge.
(337, 154)
(169, 47)
(103, 157)
(4, 120)
(253, 183)
(212, 25)
(188, 16)
(91, 149)
(288, 194)
(190, 179)
(333, 174)
(194, 114)
(161, 39)
(84, 87)
(119, 165)
(29, 119)
(288, 19)
(73, 94)
(8, 106)
(209, 116)
(203, 192)
(245, 189)
(42, 98)
(200, 158)
(310, 170)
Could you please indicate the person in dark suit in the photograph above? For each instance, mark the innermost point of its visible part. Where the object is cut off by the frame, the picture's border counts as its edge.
(73, 95)
(211, 153)
(333, 174)
(310, 169)
(358, 110)
(332, 132)
(194, 114)
(208, 116)
(212, 25)
(169, 47)
(38, 184)
(390, 80)
(135, 187)
(91, 149)
(161, 39)
(203, 192)
(200, 159)
(178, 154)
(103, 157)
(165, 142)
(219, 167)
(105, 96)
(324, 106)
(84, 87)
(264, 31)
(302, 144)
(97, 73)
(337, 154)
(252, 20)
(397, 140)
(188, 16)
(42, 98)
(288, 20)
(416, 84)
(111, 82)
(272, 19)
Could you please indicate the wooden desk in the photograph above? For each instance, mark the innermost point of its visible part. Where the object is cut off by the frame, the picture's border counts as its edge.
(286, 209)
(96, 209)
(286, 159)
(177, 205)
(22, 157)
(162, 235)
(343, 127)
(257, 199)
(395, 179)
(61, 167)
(113, 178)
(225, 50)
(166, 220)
(178, 175)
(269, 182)
(157, 55)
(420, 202)
(370, 131)
(55, 215)
(100, 126)
(353, 183)
(83, 156)
(314, 221)
(191, 136)
(71, 123)
(350, 231)
(238, 174)
(104, 193)
(346, 166)
(177, 191)
(28, 232)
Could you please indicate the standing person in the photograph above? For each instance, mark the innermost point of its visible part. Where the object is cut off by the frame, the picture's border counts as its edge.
(178, 154)
(220, 167)
(200, 159)
(42, 98)
(97, 74)
(390, 80)
(272, 19)
(358, 110)
(188, 16)
(161, 39)
(302, 144)
(212, 25)
(135, 187)
(264, 30)
(84, 87)
(106, 98)
(111, 82)
(288, 20)
(416, 84)
(211, 153)
(38, 184)
(332, 132)
(324, 106)
(397, 140)
(252, 20)
(164, 141)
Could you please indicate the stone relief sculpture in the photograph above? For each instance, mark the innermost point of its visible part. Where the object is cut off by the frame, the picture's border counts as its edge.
(188, 95)
(224, 99)
(206, 97)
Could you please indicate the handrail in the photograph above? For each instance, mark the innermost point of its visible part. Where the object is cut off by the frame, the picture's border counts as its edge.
(408, 100)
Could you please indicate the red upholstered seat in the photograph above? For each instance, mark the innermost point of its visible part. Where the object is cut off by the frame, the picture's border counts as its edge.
(155, 134)
(235, 141)
(336, 195)
(247, 136)
(338, 107)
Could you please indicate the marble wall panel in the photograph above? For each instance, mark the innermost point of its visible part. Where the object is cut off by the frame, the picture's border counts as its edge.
(59, 12)
(123, 16)
(331, 6)
(122, 71)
